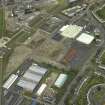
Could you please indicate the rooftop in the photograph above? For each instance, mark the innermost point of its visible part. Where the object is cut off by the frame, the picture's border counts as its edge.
(70, 31)
(31, 77)
(10, 81)
(85, 38)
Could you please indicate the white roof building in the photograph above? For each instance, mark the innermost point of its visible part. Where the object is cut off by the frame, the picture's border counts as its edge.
(10, 81)
(32, 76)
(72, 1)
(61, 80)
(70, 31)
(85, 38)
(37, 69)
(41, 89)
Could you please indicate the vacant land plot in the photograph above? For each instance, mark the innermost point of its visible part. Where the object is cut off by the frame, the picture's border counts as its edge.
(17, 58)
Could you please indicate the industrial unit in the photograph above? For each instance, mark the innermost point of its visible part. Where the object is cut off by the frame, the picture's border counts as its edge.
(85, 38)
(61, 80)
(41, 89)
(32, 77)
(70, 31)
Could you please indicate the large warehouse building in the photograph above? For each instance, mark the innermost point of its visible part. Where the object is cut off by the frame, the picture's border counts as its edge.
(85, 38)
(32, 77)
(70, 31)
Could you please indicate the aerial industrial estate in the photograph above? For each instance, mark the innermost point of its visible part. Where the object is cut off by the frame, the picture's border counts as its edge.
(52, 52)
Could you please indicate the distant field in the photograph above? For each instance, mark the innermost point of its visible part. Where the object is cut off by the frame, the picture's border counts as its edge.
(101, 13)
(2, 22)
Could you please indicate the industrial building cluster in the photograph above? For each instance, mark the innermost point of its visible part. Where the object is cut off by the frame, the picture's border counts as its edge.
(71, 31)
(47, 49)
(32, 81)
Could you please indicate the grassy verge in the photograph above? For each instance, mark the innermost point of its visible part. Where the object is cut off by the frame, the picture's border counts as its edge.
(82, 98)
(101, 13)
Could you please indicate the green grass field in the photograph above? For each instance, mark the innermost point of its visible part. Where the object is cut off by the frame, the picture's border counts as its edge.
(101, 13)
(98, 95)
(82, 98)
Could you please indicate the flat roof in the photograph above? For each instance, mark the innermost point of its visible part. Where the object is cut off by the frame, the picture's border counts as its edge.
(70, 31)
(41, 89)
(32, 76)
(61, 80)
(72, 0)
(85, 38)
(37, 69)
(27, 85)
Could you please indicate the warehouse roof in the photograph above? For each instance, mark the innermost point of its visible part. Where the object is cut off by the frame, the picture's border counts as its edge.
(41, 89)
(32, 76)
(61, 80)
(72, 1)
(70, 31)
(37, 69)
(85, 38)
(27, 85)
(10, 81)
